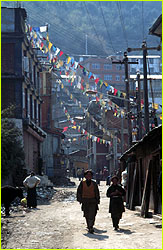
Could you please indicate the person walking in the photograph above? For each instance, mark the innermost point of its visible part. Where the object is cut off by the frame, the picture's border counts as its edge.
(89, 196)
(116, 207)
(30, 183)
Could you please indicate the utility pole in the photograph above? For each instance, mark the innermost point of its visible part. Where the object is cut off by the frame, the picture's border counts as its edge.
(125, 62)
(122, 135)
(138, 101)
(86, 45)
(145, 85)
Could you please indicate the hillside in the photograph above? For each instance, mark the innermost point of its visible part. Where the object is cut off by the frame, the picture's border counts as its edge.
(110, 26)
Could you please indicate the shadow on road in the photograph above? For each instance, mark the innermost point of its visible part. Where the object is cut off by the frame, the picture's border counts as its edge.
(12, 216)
(97, 236)
(99, 231)
(125, 231)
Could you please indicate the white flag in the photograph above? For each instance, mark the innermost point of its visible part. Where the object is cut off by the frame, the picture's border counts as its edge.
(43, 28)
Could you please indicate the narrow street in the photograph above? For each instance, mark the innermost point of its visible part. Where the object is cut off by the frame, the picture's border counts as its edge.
(61, 225)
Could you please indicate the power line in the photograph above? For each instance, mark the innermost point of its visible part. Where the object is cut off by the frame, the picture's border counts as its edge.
(107, 29)
(122, 22)
(143, 19)
(93, 26)
(60, 34)
(68, 33)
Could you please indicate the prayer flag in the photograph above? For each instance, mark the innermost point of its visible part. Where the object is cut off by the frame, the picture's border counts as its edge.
(97, 80)
(44, 28)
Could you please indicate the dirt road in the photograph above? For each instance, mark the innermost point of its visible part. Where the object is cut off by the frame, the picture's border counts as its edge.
(60, 225)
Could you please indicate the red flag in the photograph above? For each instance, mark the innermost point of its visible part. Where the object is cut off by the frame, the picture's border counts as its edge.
(97, 99)
(97, 80)
(82, 87)
(81, 66)
(61, 53)
(98, 139)
(115, 91)
(82, 80)
(64, 129)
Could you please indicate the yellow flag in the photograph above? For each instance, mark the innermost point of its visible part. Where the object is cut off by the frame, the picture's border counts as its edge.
(46, 50)
(106, 84)
(47, 37)
(72, 79)
(50, 45)
(124, 94)
(155, 105)
(68, 60)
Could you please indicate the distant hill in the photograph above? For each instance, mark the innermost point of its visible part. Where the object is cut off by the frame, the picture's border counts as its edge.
(127, 24)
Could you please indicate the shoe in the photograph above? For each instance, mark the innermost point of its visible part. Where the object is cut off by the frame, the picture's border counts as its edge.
(91, 230)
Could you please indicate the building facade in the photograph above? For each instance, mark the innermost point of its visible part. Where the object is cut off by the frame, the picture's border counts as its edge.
(20, 83)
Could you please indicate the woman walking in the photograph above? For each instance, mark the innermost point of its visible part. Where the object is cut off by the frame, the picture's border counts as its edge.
(116, 208)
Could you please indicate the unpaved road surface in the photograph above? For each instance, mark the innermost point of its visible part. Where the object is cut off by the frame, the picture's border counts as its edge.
(60, 224)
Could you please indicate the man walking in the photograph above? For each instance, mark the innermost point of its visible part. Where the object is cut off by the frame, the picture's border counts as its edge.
(116, 208)
(30, 183)
(88, 195)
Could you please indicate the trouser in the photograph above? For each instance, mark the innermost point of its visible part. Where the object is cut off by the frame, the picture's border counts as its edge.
(90, 211)
(115, 221)
(90, 222)
(31, 197)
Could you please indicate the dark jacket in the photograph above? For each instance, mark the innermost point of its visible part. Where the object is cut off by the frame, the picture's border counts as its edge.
(79, 192)
(116, 202)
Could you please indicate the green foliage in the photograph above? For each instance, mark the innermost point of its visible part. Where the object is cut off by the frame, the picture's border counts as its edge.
(12, 154)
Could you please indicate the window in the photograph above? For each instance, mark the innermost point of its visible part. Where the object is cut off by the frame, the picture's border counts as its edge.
(118, 67)
(151, 60)
(34, 76)
(35, 110)
(31, 107)
(133, 70)
(141, 61)
(97, 76)
(123, 78)
(26, 102)
(7, 57)
(108, 77)
(151, 70)
(107, 66)
(95, 66)
(117, 78)
(39, 114)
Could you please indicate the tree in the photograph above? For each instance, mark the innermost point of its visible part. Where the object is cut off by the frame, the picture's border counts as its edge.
(12, 153)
